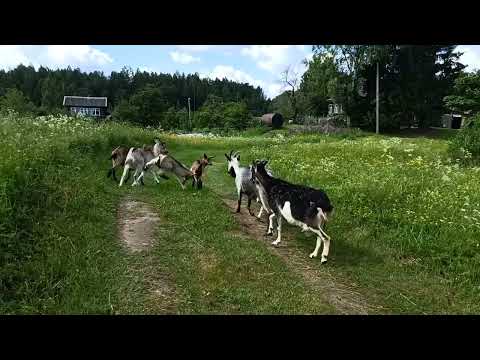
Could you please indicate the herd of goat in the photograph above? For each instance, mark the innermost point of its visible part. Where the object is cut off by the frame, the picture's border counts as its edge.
(306, 207)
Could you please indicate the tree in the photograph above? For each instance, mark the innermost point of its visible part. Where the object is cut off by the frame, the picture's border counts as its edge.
(125, 111)
(413, 81)
(291, 80)
(351, 61)
(319, 84)
(466, 93)
(15, 100)
(46, 87)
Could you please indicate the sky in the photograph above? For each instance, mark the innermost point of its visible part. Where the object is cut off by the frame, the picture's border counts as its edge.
(258, 65)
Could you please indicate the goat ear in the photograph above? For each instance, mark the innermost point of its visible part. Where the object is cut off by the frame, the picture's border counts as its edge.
(205, 156)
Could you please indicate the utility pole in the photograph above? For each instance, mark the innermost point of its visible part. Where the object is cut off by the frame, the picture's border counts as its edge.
(189, 121)
(377, 129)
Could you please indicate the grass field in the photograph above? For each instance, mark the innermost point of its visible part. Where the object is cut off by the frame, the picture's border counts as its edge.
(405, 237)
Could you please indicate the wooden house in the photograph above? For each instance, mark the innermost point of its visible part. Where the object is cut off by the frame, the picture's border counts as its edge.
(86, 106)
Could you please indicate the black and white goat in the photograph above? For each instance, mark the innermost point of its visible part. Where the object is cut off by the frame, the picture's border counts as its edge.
(243, 181)
(299, 205)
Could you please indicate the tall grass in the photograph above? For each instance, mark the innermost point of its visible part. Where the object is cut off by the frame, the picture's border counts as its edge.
(400, 198)
(53, 201)
(407, 223)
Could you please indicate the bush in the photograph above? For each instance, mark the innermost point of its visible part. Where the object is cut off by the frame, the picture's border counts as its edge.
(15, 100)
(466, 145)
(217, 114)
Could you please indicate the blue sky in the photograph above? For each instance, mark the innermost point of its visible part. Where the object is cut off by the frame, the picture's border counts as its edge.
(259, 65)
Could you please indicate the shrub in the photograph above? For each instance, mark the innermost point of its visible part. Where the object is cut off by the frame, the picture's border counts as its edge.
(466, 145)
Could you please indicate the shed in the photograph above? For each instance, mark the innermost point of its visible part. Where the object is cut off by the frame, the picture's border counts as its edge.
(452, 121)
(275, 120)
(86, 105)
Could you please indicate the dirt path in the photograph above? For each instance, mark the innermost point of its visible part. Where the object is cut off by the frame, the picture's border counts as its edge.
(340, 295)
(137, 221)
(138, 225)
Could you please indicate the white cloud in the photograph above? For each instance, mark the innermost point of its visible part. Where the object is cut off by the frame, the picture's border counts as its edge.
(183, 58)
(195, 48)
(229, 72)
(268, 57)
(225, 71)
(470, 57)
(274, 90)
(52, 56)
(13, 55)
(65, 55)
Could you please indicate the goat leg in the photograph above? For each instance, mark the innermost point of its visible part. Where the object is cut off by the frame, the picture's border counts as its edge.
(113, 175)
(239, 201)
(128, 175)
(248, 207)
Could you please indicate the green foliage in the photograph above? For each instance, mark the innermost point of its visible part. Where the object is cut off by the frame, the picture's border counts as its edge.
(15, 100)
(413, 82)
(125, 111)
(219, 114)
(145, 107)
(466, 93)
(465, 146)
(282, 105)
(46, 87)
(319, 83)
(173, 119)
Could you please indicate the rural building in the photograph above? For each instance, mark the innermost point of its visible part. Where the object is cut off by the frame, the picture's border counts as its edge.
(86, 106)
(334, 108)
(452, 121)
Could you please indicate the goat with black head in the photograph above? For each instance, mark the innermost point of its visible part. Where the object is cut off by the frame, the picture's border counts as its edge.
(299, 205)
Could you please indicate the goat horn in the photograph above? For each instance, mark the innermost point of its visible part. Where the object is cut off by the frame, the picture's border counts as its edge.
(231, 152)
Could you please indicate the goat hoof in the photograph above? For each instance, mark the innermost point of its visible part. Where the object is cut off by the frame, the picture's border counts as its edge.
(312, 255)
(324, 260)
(275, 243)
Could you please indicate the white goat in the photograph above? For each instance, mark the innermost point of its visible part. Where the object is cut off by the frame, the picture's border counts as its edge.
(243, 182)
(137, 158)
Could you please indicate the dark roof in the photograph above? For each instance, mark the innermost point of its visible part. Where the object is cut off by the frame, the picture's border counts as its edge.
(84, 101)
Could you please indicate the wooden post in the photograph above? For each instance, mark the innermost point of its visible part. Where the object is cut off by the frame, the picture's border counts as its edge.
(189, 121)
(377, 128)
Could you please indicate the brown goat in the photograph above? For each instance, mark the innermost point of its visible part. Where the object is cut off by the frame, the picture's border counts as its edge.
(198, 168)
(118, 157)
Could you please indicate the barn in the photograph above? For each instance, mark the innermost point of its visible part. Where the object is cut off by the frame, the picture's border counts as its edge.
(86, 106)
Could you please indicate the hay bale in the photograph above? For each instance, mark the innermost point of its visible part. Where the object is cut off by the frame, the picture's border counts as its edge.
(275, 120)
